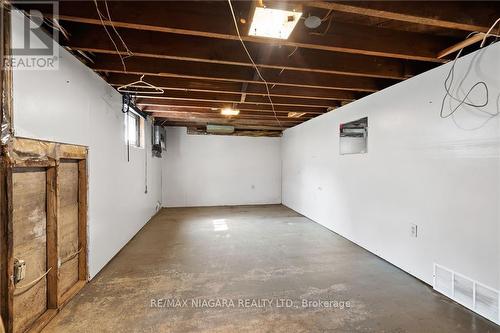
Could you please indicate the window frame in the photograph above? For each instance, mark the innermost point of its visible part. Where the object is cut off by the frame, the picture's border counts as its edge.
(139, 132)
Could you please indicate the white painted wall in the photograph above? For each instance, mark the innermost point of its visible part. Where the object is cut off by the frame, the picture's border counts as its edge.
(74, 105)
(211, 170)
(441, 174)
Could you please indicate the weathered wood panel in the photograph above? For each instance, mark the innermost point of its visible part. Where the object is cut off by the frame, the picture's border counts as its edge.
(52, 241)
(82, 219)
(68, 224)
(29, 244)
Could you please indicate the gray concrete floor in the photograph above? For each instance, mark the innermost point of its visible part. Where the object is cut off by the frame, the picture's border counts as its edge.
(253, 254)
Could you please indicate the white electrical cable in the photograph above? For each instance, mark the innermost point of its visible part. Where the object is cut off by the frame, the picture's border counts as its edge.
(113, 26)
(31, 284)
(489, 31)
(101, 17)
(69, 257)
(253, 63)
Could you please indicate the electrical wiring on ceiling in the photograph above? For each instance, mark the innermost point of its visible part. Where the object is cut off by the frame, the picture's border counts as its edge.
(253, 63)
(54, 24)
(327, 26)
(293, 52)
(102, 18)
(129, 53)
(328, 17)
(448, 83)
(283, 69)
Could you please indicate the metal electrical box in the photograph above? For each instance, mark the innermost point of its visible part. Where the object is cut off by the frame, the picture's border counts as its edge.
(158, 140)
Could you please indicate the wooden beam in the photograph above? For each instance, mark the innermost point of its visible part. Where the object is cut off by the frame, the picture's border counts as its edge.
(143, 102)
(82, 220)
(459, 15)
(216, 115)
(6, 245)
(250, 113)
(195, 19)
(218, 72)
(187, 108)
(235, 98)
(52, 237)
(6, 76)
(6, 228)
(250, 93)
(220, 87)
(151, 44)
(237, 132)
(457, 47)
(218, 121)
(218, 118)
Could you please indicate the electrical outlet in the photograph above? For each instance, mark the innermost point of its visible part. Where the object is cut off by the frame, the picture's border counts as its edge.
(19, 270)
(413, 230)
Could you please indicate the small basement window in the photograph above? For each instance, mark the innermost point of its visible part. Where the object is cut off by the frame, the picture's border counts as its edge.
(354, 137)
(134, 129)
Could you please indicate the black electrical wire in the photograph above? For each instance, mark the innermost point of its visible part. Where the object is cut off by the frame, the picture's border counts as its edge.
(127, 100)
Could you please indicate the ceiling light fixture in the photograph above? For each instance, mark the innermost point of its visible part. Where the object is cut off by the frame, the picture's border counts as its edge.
(273, 23)
(229, 112)
(312, 22)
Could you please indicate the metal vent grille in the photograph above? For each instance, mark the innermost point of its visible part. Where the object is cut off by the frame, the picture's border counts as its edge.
(468, 292)
(487, 301)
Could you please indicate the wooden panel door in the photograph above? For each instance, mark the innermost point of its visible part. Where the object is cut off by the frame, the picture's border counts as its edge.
(29, 221)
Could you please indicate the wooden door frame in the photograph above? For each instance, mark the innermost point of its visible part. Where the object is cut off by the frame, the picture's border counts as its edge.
(28, 153)
(6, 264)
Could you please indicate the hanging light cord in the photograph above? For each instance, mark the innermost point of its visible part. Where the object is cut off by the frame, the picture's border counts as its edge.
(253, 63)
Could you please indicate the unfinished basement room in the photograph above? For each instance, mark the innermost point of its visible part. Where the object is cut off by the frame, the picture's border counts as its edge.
(249, 166)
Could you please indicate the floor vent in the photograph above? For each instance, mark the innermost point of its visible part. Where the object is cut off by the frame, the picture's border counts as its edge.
(470, 293)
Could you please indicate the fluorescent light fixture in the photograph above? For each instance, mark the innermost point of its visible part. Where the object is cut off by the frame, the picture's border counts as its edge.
(220, 129)
(229, 112)
(273, 23)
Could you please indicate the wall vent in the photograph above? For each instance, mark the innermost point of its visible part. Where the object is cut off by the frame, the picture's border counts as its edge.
(468, 292)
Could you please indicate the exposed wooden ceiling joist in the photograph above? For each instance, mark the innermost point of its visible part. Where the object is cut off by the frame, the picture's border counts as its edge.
(216, 115)
(234, 98)
(160, 108)
(243, 113)
(167, 108)
(268, 124)
(463, 44)
(191, 50)
(239, 132)
(460, 15)
(200, 49)
(116, 79)
(173, 17)
(218, 104)
(218, 72)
